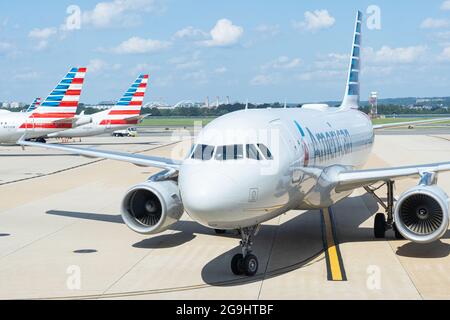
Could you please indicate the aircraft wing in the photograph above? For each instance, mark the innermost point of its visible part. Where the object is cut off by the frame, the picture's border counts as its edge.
(402, 124)
(136, 159)
(139, 118)
(65, 120)
(349, 180)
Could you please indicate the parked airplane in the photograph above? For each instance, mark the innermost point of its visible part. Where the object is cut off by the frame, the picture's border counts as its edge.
(251, 166)
(56, 113)
(123, 115)
(36, 103)
(32, 106)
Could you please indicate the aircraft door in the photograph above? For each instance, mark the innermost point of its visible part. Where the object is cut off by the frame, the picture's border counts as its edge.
(292, 152)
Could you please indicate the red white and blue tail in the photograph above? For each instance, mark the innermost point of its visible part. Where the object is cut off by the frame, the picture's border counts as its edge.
(36, 103)
(58, 110)
(352, 90)
(128, 109)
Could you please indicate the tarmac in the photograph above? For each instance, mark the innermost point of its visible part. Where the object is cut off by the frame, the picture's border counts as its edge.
(62, 237)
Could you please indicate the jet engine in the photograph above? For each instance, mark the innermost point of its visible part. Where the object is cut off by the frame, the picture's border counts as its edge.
(152, 207)
(421, 214)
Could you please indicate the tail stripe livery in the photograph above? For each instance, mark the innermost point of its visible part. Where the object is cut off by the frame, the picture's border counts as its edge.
(60, 107)
(36, 103)
(128, 108)
(352, 93)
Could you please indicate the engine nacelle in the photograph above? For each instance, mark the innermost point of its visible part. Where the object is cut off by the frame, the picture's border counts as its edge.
(82, 121)
(421, 214)
(152, 207)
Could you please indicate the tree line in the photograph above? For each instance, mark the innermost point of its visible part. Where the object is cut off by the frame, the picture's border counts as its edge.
(389, 109)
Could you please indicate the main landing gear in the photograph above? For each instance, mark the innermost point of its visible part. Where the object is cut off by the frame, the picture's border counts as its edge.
(246, 263)
(385, 221)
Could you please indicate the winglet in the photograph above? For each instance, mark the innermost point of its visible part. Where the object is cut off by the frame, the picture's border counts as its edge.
(352, 90)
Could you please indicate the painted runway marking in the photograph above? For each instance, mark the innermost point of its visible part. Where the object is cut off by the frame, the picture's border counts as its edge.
(335, 264)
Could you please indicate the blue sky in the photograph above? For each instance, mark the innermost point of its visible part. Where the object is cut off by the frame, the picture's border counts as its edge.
(258, 50)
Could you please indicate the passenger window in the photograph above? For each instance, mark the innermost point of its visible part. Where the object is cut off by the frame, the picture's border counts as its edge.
(225, 153)
(203, 152)
(265, 151)
(253, 153)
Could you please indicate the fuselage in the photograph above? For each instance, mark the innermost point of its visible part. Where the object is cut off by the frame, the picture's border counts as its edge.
(14, 125)
(298, 150)
(98, 125)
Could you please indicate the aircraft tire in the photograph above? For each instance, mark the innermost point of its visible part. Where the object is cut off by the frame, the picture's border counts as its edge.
(380, 226)
(251, 265)
(237, 265)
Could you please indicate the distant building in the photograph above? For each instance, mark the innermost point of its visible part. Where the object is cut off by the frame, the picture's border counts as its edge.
(373, 100)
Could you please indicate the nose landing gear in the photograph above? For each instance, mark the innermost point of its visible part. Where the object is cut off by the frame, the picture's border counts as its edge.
(246, 263)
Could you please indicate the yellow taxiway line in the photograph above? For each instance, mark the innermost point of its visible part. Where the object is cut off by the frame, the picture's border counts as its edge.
(335, 265)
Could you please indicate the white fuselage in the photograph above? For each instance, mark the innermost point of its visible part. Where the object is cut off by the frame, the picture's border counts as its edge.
(97, 126)
(308, 146)
(14, 125)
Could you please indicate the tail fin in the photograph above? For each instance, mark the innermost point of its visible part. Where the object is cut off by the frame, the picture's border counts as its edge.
(352, 93)
(128, 108)
(36, 103)
(63, 100)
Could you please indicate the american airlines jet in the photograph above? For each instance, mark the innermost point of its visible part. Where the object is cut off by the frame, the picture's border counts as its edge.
(251, 166)
(56, 113)
(36, 103)
(123, 115)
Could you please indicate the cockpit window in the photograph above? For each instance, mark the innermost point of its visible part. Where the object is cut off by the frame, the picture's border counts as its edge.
(231, 152)
(235, 152)
(253, 153)
(265, 151)
(203, 152)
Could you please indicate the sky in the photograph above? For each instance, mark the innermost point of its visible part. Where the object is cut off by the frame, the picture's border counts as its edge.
(263, 51)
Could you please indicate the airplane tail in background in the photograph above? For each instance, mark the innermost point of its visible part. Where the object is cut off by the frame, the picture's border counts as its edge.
(36, 103)
(352, 93)
(128, 109)
(58, 110)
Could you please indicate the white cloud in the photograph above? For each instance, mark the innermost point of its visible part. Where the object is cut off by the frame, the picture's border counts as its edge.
(221, 70)
(283, 62)
(98, 65)
(187, 62)
(118, 12)
(377, 71)
(333, 61)
(268, 30)
(264, 80)
(5, 47)
(190, 32)
(42, 36)
(445, 54)
(145, 68)
(198, 77)
(25, 76)
(314, 21)
(431, 23)
(225, 33)
(189, 65)
(136, 45)
(445, 5)
(332, 75)
(387, 54)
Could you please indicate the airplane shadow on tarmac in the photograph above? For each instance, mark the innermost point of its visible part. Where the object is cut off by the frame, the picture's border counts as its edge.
(280, 249)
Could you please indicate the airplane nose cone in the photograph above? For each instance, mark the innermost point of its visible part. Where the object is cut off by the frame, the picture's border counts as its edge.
(207, 195)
